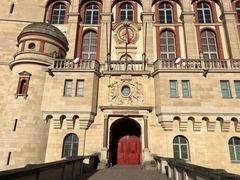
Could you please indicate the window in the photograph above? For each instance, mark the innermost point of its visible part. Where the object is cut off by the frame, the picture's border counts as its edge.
(89, 45)
(237, 88)
(125, 57)
(186, 88)
(79, 89)
(238, 10)
(234, 148)
(58, 13)
(204, 13)
(180, 148)
(209, 45)
(126, 12)
(8, 159)
(15, 125)
(23, 84)
(91, 15)
(167, 45)
(225, 88)
(23, 87)
(11, 8)
(173, 88)
(165, 13)
(68, 88)
(70, 146)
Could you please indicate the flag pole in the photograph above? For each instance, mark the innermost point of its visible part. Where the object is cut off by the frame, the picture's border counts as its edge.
(126, 43)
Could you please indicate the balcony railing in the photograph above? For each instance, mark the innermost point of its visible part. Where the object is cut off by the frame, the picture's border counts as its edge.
(198, 64)
(68, 64)
(129, 65)
(176, 169)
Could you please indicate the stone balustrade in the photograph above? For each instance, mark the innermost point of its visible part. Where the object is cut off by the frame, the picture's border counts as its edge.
(68, 64)
(195, 64)
(129, 65)
(69, 169)
(177, 169)
(139, 65)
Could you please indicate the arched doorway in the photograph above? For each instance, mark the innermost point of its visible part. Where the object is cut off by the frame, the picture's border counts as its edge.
(125, 145)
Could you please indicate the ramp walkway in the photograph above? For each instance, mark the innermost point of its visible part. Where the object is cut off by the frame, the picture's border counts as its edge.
(125, 172)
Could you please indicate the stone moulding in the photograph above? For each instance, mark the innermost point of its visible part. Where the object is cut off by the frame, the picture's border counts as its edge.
(225, 122)
(74, 120)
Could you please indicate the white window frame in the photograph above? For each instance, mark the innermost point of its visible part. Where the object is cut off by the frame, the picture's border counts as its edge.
(203, 10)
(92, 8)
(207, 54)
(164, 35)
(165, 9)
(126, 11)
(56, 19)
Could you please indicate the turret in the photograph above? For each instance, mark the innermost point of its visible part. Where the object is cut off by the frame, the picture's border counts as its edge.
(38, 45)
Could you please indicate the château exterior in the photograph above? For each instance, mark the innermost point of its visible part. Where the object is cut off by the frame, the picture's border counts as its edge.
(125, 98)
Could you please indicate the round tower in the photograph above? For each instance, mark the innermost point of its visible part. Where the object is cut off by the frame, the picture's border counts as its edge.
(26, 134)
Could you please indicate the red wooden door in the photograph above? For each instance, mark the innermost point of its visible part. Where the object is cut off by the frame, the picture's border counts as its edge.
(128, 150)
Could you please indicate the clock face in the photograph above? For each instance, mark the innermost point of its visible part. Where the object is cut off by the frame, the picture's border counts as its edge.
(122, 33)
(125, 91)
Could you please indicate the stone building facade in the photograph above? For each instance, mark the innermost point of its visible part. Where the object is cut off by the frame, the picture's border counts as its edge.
(131, 95)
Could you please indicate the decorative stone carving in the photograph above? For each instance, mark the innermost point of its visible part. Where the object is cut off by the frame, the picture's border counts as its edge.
(120, 31)
(126, 92)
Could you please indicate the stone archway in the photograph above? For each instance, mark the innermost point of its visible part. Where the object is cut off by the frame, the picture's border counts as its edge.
(125, 143)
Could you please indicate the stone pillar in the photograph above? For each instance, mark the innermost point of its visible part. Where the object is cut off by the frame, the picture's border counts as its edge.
(106, 31)
(147, 158)
(72, 28)
(105, 133)
(190, 35)
(231, 31)
(145, 132)
(104, 151)
(147, 34)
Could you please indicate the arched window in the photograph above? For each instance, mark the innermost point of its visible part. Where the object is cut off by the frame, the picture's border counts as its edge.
(167, 45)
(234, 148)
(58, 13)
(70, 146)
(23, 87)
(238, 10)
(180, 148)
(91, 15)
(23, 83)
(165, 13)
(204, 13)
(89, 45)
(123, 57)
(209, 45)
(126, 12)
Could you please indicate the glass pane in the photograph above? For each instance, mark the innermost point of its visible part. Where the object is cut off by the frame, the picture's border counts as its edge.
(176, 151)
(237, 141)
(231, 150)
(176, 140)
(237, 148)
(184, 155)
(183, 140)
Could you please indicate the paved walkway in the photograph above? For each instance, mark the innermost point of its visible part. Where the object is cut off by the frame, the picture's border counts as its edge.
(125, 172)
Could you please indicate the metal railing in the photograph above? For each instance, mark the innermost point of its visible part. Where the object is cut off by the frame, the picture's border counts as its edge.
(82, 65)
(198, 64)
(177, 169)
